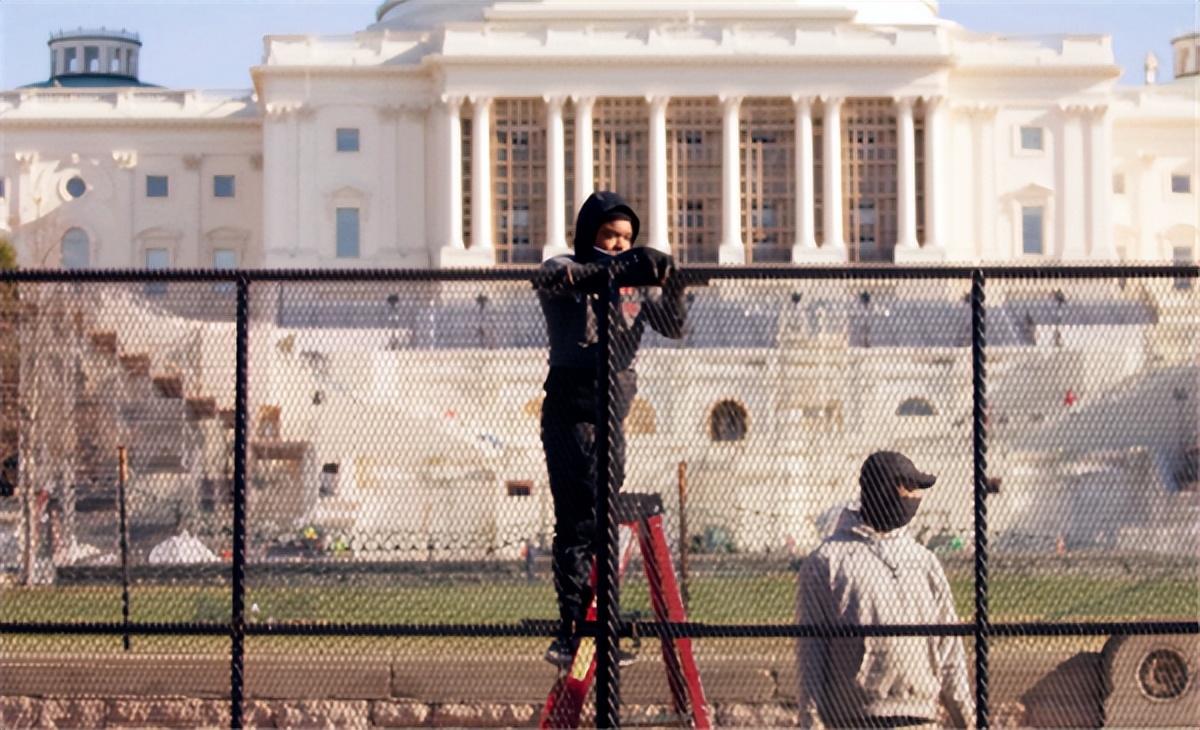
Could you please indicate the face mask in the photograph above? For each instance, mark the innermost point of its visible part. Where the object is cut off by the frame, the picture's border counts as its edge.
(606, 253)
(888, 511)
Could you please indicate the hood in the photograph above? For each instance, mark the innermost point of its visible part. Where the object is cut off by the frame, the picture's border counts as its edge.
(595, 210)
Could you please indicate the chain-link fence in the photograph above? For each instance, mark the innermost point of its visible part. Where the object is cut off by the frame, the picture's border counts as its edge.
(345, 486)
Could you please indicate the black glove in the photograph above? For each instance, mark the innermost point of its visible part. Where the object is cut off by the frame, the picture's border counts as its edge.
(643, 267)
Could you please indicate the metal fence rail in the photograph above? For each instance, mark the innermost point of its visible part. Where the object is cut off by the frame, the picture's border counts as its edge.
(251, 297)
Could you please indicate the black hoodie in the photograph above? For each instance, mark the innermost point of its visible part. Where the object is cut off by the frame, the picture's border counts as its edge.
(651, 293)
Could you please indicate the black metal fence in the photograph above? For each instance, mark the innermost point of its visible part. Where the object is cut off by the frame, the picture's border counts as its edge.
(325, 456)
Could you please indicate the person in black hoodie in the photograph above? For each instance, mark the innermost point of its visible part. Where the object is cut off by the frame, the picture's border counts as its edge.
(572, 291)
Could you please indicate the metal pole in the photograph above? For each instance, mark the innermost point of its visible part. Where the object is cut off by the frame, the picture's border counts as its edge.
(237, 624)
(681, 479)
(608, 699)
(979, 395)
(122, 478)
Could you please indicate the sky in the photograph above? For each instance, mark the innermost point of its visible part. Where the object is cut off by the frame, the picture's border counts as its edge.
(212, 45)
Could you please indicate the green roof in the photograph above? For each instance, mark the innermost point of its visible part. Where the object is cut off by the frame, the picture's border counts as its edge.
(88, 81)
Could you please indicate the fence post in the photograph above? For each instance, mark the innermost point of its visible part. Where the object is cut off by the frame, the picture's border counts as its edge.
(979, 437)
(608, 679)
(122, 478)
(237, 624)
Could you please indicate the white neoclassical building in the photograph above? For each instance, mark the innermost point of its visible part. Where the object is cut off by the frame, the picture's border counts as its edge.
(467, 133)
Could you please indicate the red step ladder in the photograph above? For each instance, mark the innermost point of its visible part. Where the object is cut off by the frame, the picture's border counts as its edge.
(643, 515)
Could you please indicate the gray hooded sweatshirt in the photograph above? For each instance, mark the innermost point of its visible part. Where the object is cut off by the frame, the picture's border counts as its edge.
(859, 576)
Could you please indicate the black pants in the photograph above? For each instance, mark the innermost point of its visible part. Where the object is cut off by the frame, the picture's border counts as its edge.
(569, 440)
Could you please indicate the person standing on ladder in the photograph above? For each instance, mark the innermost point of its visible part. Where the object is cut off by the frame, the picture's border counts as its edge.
(573, 291)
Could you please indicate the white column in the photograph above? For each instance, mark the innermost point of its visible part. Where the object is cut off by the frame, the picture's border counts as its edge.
(935, 143)
(585, 181)
(658, 233)
(452, 193)
(481, 174)
(733, 250)
(906, 170)
(1102, 246)
(1072, 218)
(835, 237)
(556, 176)
(985, 218)
(806, 240)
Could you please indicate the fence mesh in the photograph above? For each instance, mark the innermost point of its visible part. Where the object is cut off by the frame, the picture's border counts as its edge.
(400, 541)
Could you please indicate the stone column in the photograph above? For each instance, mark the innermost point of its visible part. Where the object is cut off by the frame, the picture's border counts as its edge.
(389, 124)
(556, 177)
(481, 174)
(659, 236)
(1100, 230)
(454, 252)
(906, 171)
(806, 241)
(935, 143)
(835, 237)
(585, 180)
(985, 187)
(1072, 216)
(733, 250)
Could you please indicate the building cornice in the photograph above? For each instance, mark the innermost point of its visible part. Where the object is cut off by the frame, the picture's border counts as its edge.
(1100, 72)
(140, 122)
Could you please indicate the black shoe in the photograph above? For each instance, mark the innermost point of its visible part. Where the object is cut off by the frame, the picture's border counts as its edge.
(561, 652)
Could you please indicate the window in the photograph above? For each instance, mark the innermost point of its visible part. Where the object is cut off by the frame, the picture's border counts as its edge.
(70, 60)
(1032, 227)
(916, 407)
(347, 233)
(76, 187)
(347, 139)
(224, 259)
(1, 187)
(223, 186)
(156, 186)
(1031, 138)
(76, 249)
(1181, 183)
(91, 59)
(157, 259)
(1118, 184)
(328, 486)
(1182, 256)
(727, 422)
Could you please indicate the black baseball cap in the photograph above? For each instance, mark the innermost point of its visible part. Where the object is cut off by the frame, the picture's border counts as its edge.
(890, 469)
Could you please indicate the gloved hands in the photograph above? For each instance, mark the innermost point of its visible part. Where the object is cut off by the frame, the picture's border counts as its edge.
(636, 267)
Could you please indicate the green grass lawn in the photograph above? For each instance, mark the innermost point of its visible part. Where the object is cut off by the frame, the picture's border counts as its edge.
(750, 599)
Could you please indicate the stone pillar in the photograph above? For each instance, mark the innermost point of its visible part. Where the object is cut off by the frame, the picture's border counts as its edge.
(585, 180)
(556, 178)
(936, 141)
(1100, 231)
(835, 237)
(454, 252)
(806, 241)
(733, 250)
(985, 204)
(659, 236)
(906, 171)
(1072, 216)
(481, 174)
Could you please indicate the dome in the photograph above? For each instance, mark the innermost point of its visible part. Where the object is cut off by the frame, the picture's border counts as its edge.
(430, 14)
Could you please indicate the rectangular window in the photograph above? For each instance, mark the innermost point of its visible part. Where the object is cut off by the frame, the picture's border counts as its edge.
(224, 259)
(156, 186)
(1182, 256)
(223, 186)
(1031, 138)
(1181, 183)
(347, 139)
(2, 187)
(1032, 227)
(1118, 184)
(347, 233)
(157, 259)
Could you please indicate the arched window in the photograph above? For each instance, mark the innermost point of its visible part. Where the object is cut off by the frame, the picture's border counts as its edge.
(641, 418)
(76, 249)
(728, 421)
(916, 407)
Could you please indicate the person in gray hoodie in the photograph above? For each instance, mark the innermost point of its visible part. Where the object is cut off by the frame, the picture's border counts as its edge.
(872, 572)
(573, 291)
